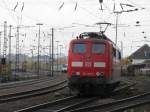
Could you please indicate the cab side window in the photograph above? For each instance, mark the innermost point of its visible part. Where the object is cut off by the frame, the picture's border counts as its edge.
(119, 53)
(114, 52)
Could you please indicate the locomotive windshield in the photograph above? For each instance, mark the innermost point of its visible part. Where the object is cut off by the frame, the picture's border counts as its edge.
(79, 48)
(98, 48)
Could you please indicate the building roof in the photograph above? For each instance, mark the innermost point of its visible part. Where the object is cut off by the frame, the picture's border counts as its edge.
(142, 53)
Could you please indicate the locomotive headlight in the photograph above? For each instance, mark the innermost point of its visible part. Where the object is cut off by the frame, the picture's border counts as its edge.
(99, 74)
(102, 74)
(78, 73)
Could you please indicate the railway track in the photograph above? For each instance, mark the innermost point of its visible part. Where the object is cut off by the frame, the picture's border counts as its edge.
(32, 93)
(61, 105)
(124, 87)
(32, 86)
(117, 105)
(126, 107)
(23, 83)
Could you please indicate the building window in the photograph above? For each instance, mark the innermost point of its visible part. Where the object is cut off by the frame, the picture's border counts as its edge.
(145, 53)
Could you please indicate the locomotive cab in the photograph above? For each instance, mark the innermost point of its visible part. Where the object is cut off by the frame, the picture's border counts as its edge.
(90, 63)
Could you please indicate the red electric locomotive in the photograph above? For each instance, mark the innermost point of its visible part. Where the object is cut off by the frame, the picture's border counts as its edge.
(93, 63)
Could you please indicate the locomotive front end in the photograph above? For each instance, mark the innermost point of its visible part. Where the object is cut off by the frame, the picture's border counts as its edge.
(88, 64)
(93, 63)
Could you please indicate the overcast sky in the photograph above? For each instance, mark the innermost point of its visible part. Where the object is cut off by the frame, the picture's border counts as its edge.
(74, 16)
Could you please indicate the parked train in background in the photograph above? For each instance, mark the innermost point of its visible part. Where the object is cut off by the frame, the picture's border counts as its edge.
(94, 64)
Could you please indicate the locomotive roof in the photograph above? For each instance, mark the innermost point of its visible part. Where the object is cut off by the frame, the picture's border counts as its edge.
(94, 35)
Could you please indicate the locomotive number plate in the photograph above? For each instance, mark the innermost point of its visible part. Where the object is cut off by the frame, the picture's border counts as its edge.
(88, 64)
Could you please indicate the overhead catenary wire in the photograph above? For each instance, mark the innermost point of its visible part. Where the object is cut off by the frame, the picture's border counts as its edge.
(78, 8)
(15, 6)
(135, 4)
(86, 10)
(101, 2)
(8, 8)
(76, 5)
(61, 6)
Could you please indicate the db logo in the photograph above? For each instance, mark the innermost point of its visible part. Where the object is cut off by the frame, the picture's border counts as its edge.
(88, 64)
